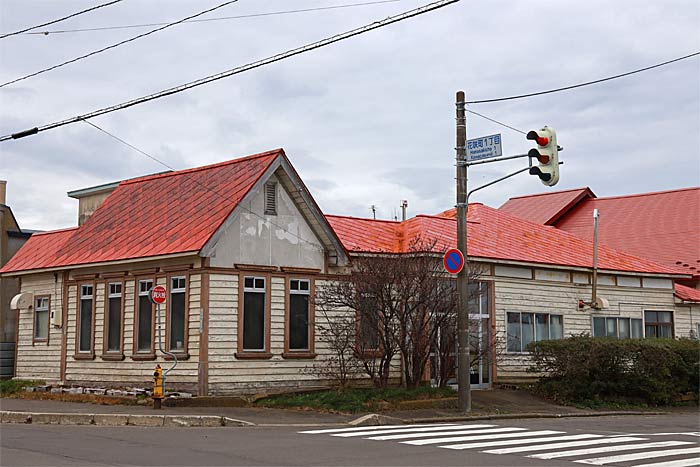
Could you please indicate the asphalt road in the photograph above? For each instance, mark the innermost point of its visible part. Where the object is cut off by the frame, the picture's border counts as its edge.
(597, 436)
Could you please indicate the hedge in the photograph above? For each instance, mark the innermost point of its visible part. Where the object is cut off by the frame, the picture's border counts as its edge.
(583, 368)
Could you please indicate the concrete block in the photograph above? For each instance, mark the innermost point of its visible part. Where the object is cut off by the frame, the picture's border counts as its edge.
(374, 419)
(47, 418)
(75, 390)
(193, 421)
(56, 390)
(146, 420)
(77, 419)
(15, 417)
(111, 419)
(235, 422)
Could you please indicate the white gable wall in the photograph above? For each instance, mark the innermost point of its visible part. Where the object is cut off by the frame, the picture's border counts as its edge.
(267, 240)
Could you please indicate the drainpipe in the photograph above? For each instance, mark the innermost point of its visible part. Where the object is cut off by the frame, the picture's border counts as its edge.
(404, 205)
(595, 258)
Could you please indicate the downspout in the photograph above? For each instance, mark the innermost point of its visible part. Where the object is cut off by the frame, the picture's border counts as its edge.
(595, 259)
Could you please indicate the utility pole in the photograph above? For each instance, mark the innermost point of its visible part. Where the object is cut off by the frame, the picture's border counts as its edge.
(463, 362)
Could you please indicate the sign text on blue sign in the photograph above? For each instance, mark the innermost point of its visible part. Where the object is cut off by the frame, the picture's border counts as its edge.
(484, 147)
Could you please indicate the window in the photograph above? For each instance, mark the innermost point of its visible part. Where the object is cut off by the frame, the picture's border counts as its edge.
(658, 324)
(177, 314)
(523, 328)
(114, 317)
(299, 329)
(144, 341)
(622, 328)
(41, 319)
(254, 314)
(271, 198)
(85, 319)
(368, 324)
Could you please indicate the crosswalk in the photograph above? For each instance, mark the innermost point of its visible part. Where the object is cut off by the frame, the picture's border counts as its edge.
(583, 448)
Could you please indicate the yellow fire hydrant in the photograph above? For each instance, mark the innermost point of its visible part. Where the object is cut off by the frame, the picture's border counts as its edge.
(157, 387)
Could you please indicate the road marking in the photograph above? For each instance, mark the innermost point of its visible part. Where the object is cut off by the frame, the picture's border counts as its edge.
(626, 447)
(444, 433)
(402, 430)
(421, 442)
(364, 428)
(640, 455)
(544, 447)
(680, 463)
(511, 442)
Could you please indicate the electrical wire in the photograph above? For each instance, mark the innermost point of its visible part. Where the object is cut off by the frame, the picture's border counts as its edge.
(22, 31)
(95, 52)
(495, 121)
(588, 83)
(223, 18)
(317, 245)
(240, 69)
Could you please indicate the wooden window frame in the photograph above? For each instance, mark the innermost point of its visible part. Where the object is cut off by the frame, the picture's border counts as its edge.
(90, 354)
(184, 353)
(36, 340)
(658, 323)
(310, 352)
(136, 354)
(113, 355)
(534, 329)
(266, 353)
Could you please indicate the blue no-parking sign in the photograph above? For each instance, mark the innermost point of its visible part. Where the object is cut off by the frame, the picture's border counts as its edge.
(453, 261)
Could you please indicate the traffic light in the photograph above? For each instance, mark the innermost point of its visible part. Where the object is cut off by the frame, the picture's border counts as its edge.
(547, 154)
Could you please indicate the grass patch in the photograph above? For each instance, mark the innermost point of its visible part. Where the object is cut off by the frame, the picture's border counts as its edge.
(12, 386)
(354, 400)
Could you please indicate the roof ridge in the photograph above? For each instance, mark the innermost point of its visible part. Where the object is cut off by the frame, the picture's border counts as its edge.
(47, 232)
(363, 218)
(145, 178)
(552, 193)
(651, 193)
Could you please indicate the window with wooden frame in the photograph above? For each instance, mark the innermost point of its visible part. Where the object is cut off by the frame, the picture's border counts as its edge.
(658, 324)
(86, 319)
(523, 328)
(368, 322)
(254, 311)
(299, 322)
(613, 326)
(143, 334)
(177, 315)
(114, 318)
(41, 319)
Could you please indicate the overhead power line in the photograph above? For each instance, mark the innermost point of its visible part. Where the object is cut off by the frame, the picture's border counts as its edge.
(495, 121)
(223, 18)
(95, 52)
(588, 83)
(240, 69)
(22, 31)
(225, 198)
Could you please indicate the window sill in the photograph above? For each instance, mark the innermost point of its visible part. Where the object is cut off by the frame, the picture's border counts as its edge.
(142, 357)
(180, 356)
(253, 355)
(112, 357)
(84, 356)
(40, 342)
(299, 355)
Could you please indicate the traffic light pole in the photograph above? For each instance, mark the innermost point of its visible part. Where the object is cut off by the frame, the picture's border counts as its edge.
(463, 361)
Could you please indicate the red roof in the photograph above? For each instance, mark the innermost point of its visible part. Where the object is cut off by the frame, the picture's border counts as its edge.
(164, 214)
(493, 234)
(687, 294)
(545, 208)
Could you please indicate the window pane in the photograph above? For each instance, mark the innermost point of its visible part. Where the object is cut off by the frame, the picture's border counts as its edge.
(650, 331)
(636, 328)
(664, 316)
(528, 329)
(253, 321)
(145, 323)
(177, 321)
(598, 327)
(611, 327)
(542, 322)
(298, 322)
(650, 316)
(556, 327)
(513, 331)
(85, 325)
(259, 283)
(665, 331)
(41, 324)
(624, 328)
(115, 324)
(303, 285)
(369, 331)
(248, 283)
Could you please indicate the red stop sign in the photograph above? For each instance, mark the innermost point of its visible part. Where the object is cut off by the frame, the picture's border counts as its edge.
(158, 294)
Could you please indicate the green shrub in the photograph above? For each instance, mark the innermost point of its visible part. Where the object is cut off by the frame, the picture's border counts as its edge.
(11, 386)
(583, 369)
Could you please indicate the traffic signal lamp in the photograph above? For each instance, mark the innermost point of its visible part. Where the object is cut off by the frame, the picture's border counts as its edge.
(547, 155)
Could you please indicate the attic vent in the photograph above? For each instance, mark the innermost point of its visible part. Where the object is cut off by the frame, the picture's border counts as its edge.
(271, 199)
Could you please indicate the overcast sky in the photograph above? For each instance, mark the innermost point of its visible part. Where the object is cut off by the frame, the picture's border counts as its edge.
(366, 121)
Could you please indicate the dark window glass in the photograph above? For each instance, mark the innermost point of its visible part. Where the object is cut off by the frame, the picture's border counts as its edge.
(636, 328)
(115, 324)
(513, 331)
(177, 321)
(557, 327)
(528, 329)
(369, 325)
(253, 321)
(542, 321)
(299, 321)
(598, 327)
(145, 323)
(658, 324)
(41, 319)
(611, 327)
(623, 325)
(85, 325)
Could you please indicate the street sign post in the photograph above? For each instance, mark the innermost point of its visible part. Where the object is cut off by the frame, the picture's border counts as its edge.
(485, 147)
(157, 294)
(453, 261)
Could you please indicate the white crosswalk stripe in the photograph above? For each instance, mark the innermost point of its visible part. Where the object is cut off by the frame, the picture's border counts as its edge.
(551, 446)
(639, 455)
(365, 428)
(616, 448)
(511, 442)
(401, 430)
(680, 463)
(457, 439)
(458, 431)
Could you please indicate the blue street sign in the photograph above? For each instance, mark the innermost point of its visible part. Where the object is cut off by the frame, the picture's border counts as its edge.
(485, 147)
(453, 261)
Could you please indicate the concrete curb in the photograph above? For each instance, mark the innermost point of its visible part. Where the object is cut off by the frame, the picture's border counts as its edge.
(187, 421)
(512, 416)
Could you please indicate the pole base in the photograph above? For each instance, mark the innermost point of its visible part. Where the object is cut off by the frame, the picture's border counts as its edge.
(157, 404)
